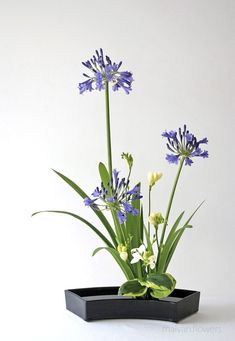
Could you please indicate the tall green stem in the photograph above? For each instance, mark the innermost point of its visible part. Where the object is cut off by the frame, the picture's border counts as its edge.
(108, 130)
(171, 199)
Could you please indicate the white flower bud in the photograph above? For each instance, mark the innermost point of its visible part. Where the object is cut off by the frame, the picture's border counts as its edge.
(152, 261)
(153, 177)
(156, 218)
(123, 255)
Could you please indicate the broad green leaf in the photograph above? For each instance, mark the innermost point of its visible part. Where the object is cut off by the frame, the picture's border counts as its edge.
(161, 285)
(132, 288)
(107, 242)
(123, 265)
(99, 214)
(104, 175)
(166, 280)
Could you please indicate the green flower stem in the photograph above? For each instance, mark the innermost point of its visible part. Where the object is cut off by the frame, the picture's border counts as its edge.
(171, 199)
(157, 240)
(120, 233)
(149, 211)
(108, 131)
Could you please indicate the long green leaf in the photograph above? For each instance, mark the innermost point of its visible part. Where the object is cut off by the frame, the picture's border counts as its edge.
(173, 247)
(174, 227)
(123, 265)
(133, 225)
(107, 242)
(165, 252)
(179, 235)
(167, 246)
(189, 219)
(133, 230)
(99, 214)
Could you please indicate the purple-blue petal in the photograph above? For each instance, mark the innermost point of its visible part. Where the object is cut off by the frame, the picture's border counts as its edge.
(135, 190)
(171, 158)
(188, 161)
(170, 135)
(96, 193)
(111, 199)
(121, 217)
(89, 202)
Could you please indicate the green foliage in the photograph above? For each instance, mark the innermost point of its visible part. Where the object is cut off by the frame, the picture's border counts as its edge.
(132, 288)
(105, 240)
(172, 241)
(158, 285)
(161, 285)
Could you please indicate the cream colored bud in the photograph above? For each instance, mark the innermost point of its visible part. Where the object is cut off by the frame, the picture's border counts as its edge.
(119, 248)
(155, 218)
(124, 255)
(152, 218)
(153, 177)
(152, 262)
(157, 176)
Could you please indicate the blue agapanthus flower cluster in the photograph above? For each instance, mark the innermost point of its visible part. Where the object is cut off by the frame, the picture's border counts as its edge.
(116, 196)
(183, 143)
(104, 70)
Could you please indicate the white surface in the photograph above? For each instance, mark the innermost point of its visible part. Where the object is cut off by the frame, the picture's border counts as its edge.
(215, 321)
(182, 57)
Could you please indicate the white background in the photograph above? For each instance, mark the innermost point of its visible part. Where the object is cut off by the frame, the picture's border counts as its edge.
(181, 54)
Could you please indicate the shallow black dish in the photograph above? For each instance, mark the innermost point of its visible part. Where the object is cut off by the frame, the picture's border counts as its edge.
(104, 303)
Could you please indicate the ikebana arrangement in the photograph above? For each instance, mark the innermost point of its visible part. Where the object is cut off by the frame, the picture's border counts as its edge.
(141, 244)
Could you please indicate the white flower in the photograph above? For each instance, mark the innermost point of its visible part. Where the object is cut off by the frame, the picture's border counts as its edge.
(137, 254)
(152, 261)
(123, 255)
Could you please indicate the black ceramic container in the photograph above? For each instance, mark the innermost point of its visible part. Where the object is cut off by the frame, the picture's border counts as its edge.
(104, 303)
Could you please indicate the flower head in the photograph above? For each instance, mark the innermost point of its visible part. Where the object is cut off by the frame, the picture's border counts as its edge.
(117, 196)
(185, 144)
(103, 70)
(141, 254)
(138, 254)
(156, 219)
(129, 159)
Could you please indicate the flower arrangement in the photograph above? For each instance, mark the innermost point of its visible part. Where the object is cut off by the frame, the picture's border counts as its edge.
(142, 251)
